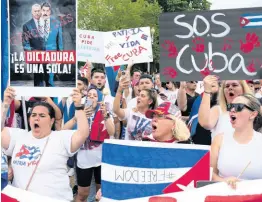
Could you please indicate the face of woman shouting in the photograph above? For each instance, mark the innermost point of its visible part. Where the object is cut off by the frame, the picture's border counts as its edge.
(232, 89)
(41, 121)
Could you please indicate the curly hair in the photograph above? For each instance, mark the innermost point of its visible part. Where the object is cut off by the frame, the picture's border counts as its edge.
(181, 131)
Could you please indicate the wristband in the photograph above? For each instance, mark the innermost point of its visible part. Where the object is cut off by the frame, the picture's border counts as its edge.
(80, 107)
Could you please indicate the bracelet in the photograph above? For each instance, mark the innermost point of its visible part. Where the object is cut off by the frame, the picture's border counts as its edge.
(79, 107)
(207, 92)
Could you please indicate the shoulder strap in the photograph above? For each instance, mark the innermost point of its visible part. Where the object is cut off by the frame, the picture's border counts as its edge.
(30, 180)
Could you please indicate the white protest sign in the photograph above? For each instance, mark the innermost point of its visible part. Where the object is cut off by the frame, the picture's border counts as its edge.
(90, 46)
(124, 46)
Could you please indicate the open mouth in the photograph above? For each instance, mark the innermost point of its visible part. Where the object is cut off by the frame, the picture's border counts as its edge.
(154, 127)
(36, 126)
(233, 118)
(231, 94)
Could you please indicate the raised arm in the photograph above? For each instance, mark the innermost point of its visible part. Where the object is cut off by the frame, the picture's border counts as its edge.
(80, 136)
(9, 96)
(208, 116)
(109, 122)
(58, 113)
(123, 84)
(181, 97)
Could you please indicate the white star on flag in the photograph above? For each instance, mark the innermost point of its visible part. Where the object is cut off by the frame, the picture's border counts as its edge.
(190, 186)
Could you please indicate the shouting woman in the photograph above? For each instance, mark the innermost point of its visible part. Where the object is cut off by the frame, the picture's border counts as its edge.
(39, 157)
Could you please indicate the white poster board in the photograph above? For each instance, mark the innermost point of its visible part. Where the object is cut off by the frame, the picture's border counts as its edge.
(90, 46)
(124, 46)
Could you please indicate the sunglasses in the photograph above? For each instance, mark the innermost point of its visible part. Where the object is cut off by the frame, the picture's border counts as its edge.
(238, 107)
(192, 82)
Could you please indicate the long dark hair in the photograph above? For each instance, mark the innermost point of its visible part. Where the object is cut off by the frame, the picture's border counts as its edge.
(51, 111)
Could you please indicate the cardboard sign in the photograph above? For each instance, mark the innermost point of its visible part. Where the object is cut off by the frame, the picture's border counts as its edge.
(42, 56)
(226, 43)
(90, 46)
(124, 46)
(134, 169)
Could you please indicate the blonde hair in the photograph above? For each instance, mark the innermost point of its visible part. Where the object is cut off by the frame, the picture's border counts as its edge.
(181, 131)
(221, 95)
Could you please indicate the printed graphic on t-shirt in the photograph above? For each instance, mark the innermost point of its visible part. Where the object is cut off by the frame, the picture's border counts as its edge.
(138, 127)
(27, 156)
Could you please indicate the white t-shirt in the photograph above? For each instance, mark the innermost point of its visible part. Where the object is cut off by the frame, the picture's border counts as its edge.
(137, 125)
(50, 178)
(171, 95)
(223, 124)
(92, 156)
(132, 103)
(241, 154)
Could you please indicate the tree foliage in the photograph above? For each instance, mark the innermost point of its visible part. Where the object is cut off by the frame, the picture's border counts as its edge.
(109, 15)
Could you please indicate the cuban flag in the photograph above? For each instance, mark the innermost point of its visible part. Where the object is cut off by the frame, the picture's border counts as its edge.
(134, 169)
(247, 191)
(253, 20)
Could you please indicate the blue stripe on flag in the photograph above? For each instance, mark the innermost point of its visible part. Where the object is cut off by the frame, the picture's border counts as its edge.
(4, 47)
(255, 20)
(164, 155)
(251, 14)
(254, 26)
(115, 190)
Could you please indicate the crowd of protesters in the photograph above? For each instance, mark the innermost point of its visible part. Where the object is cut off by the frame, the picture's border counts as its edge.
(47, 140)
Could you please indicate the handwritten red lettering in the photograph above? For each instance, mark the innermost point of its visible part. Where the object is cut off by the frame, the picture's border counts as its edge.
(126, 56)
(162, 199)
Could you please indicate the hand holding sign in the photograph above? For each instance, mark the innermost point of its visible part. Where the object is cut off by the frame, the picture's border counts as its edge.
(209, 81)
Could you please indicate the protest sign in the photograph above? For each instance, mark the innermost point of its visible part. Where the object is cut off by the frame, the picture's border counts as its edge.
(42, 58)
(246, 191)
(90, 46)
(225, 43)
(133, 169)
(124, 46)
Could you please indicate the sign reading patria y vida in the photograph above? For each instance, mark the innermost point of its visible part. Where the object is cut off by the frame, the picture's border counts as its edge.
(226, 43)
(124, 46)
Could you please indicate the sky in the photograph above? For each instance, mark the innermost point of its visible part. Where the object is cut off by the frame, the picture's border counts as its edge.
(227, 4)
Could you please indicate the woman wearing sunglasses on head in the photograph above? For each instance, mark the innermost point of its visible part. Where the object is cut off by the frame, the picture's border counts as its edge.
(167, 125)
(232, 152)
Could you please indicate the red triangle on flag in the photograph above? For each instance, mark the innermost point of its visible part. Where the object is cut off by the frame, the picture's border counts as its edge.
(116, 68)
(200, 171)
(5, 198)
(243, 21)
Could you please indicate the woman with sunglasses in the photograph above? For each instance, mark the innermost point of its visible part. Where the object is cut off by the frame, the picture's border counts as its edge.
(217, 118)
(238, 152)
(137, 124)
(167, 125)
(89, 157)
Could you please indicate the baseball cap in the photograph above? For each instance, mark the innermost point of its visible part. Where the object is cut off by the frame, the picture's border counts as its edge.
(166, 108)
(257, 81)
(250, 81)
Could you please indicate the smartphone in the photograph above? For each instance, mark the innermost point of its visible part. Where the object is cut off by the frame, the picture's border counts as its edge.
(107, 106)
(89, 103)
